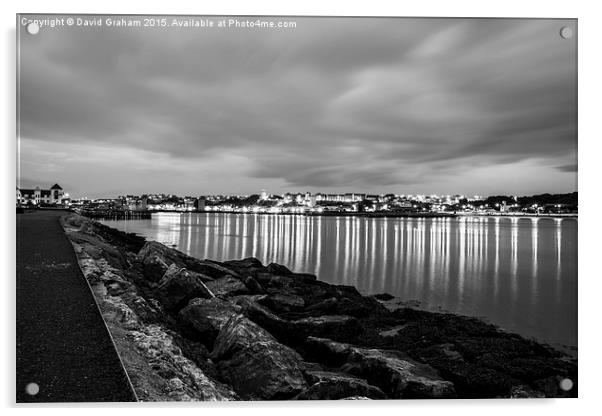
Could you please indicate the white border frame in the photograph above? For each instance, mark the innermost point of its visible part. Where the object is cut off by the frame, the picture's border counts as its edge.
(590, 199)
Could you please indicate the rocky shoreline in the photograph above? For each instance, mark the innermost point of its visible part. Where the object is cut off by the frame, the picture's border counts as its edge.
(190, 329)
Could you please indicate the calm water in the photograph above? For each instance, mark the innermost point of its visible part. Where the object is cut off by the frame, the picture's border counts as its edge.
(519, 273)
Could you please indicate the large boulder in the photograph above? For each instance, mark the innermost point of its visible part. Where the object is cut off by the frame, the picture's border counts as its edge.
(179, 286)
(255, 364)
(327, 385)
(174, 270)
(399, 376)
(227, 286)
(253, 285)
(251, 308)
(358, 307)
(301, 295)
(310, 290)
(283, 303)
(246, 263)
(214, 269)
(154, 267)
(339, 327)
(278, 269)
(153, 251)
(206, 317)
(249, 266)
(294, 332)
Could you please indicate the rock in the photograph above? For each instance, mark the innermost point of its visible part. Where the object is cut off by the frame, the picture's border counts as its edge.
(327, 352)
(208, 316)
(339, 327)
(293, 332)
(154, 267)
(198, 353)
(151, 251)
(398, 375)
(327, 306)
(253, 285)
(392, 332)
(165, 361)
(328, 385)
(179, 286)
(356, 398)
(173, 270)
(252, 308)
(97, 248)
(383, 296)
(319, 298)
(311, 291)
(214, 269)
(149, 311)
(126, 241)
(437, 354)
(475, 381)
(305, 276)
(525, 392)
(255, 364)
(118, 287)
(279, 269)
(310, 367)
(114, 309)
(245, 263)
(175, 384)
(249, 266)
(359, 307)
(283, 303)
(227, 286)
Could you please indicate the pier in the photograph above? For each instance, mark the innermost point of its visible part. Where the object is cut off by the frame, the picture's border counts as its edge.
(116, 214)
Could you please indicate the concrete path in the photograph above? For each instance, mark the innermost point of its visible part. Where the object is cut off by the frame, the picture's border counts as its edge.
(63, 344)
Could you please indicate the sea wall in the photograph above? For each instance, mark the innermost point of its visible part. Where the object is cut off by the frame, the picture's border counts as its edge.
(191, 329)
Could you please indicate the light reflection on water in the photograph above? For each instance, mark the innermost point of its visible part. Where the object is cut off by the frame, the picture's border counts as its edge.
(519, 273)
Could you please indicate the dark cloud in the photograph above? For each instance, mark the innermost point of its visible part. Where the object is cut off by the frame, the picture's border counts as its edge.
(400, 105)
(567, 168)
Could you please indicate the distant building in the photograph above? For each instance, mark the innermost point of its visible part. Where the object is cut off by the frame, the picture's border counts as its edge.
(348, 197)
(200, 203)
(37, 196)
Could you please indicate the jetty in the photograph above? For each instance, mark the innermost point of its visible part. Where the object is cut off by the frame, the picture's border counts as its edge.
(111, 214)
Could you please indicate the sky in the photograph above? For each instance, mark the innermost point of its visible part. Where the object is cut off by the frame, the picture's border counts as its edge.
(377, 105)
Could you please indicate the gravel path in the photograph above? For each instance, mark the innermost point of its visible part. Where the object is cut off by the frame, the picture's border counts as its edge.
(63, 344)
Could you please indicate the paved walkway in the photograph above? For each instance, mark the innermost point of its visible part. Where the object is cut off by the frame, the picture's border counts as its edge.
(62, 343)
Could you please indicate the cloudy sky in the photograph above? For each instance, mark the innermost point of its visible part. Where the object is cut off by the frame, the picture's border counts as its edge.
(467, 106)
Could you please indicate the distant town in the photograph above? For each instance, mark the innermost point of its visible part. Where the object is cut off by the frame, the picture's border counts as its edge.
(308, 203)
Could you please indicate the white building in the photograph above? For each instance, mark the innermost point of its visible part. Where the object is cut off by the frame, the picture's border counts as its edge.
(36, 196)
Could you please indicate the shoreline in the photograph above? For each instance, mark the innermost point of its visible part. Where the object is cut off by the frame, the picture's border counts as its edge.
(146, 214)
(570, 350)
(304, 319)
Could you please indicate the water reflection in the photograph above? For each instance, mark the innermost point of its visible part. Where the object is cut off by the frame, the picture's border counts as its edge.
(518, 272)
